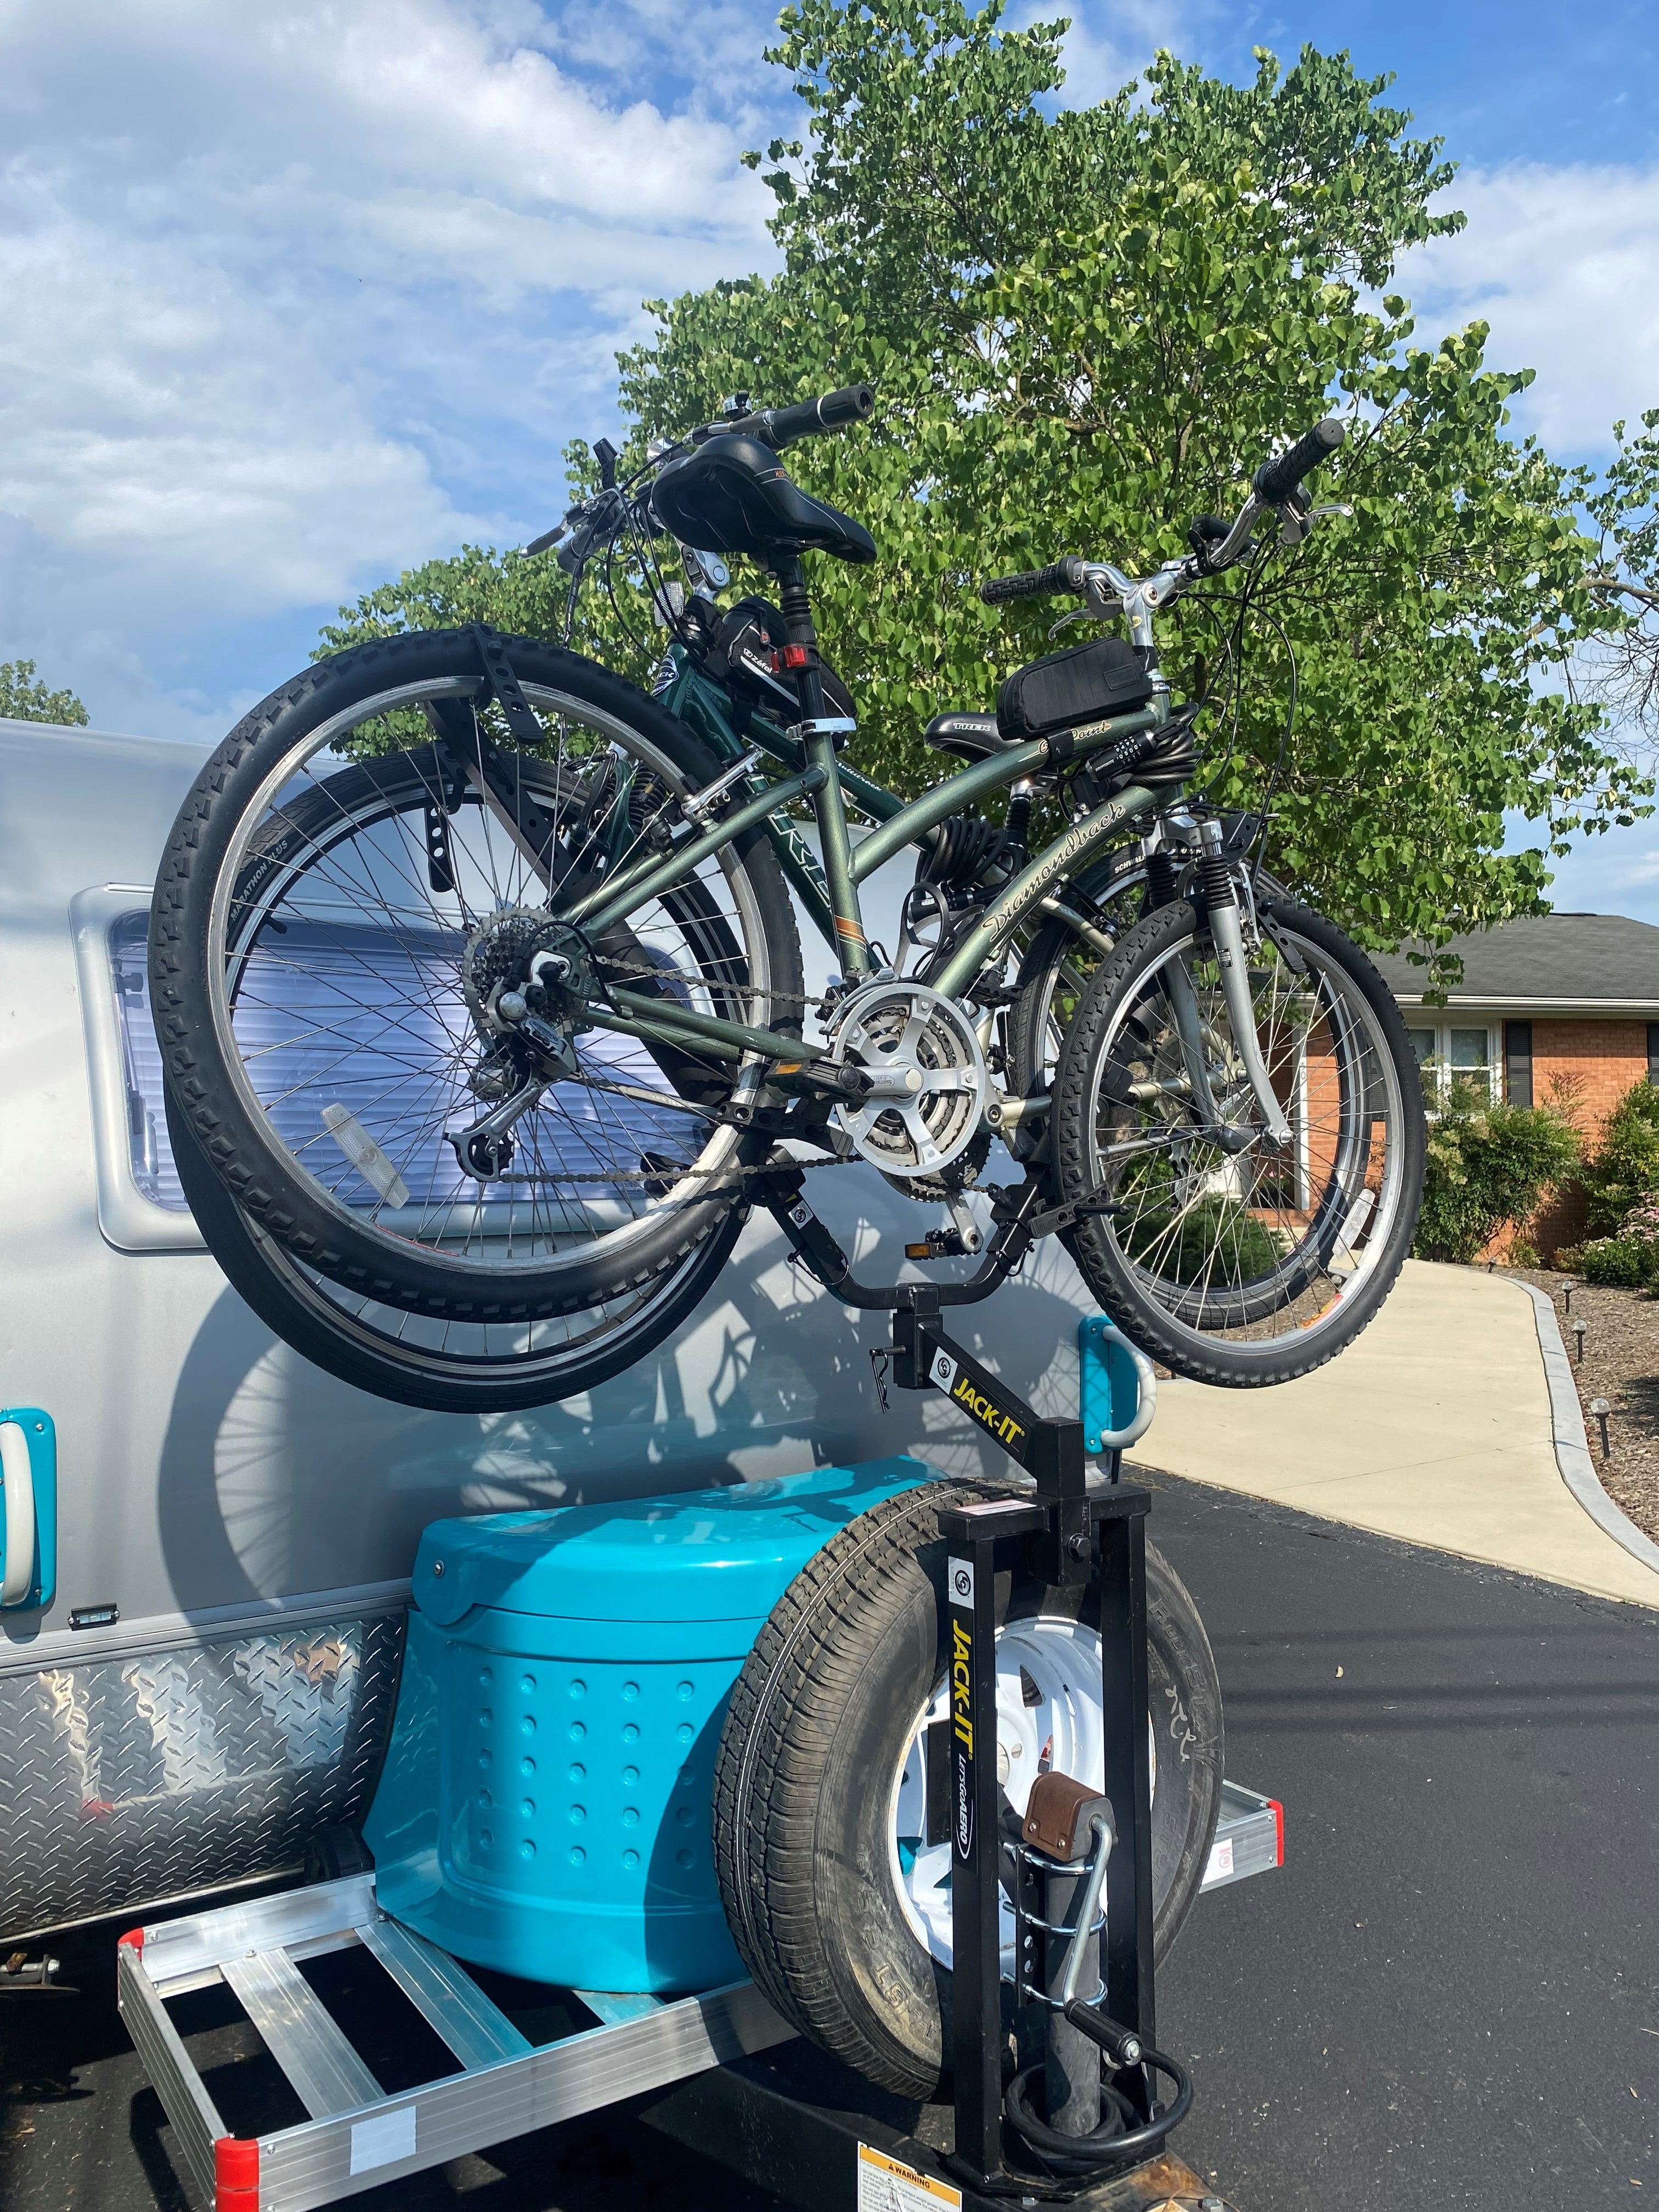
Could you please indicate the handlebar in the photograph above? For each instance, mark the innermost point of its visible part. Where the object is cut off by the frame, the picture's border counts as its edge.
(1065, 575)
(596, 520)
(1216, 544)
(1276, 482)
(779, 427)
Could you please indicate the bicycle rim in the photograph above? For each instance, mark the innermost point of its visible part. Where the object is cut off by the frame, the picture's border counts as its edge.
(345, 965)
(1252, 1247)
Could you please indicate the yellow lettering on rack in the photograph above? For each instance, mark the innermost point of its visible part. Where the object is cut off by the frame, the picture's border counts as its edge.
(989, 1415)
(961, 1647)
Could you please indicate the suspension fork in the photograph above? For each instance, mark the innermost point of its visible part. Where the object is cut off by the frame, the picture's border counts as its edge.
(1227, 936)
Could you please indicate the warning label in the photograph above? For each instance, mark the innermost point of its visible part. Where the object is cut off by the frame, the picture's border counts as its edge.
(885, 2184)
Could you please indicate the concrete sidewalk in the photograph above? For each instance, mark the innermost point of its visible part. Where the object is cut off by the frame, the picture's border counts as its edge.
(1433, 1426)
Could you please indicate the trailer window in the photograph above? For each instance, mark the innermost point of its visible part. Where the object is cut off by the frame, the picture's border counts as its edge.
(149, 1155)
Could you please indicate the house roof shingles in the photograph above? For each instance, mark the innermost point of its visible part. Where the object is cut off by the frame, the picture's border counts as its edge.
(1587, 960)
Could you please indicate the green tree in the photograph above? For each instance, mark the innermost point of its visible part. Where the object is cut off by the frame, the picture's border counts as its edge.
(25, 698)
(1086, 327)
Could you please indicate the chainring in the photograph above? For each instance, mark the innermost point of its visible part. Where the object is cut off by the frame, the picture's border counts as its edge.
(900, 1028)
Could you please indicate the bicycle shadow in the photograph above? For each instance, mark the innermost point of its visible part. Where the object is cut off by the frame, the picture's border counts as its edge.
(277, 1479)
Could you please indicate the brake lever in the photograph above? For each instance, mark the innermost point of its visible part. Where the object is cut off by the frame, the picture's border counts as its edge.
(598, 519)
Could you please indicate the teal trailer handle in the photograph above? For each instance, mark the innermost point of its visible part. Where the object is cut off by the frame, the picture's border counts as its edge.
(29, 1515)
(1117, 1390)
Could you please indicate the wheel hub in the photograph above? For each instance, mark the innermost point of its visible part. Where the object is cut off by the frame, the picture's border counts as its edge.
(1048, 1715)
(906, 1032)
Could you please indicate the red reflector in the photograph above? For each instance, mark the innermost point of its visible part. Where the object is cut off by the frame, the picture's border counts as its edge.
(235, 2174)
(1278, 1831)
(132, 1941)
(796, 656)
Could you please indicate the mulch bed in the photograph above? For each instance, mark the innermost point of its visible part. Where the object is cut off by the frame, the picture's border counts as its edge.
(1622, 1365)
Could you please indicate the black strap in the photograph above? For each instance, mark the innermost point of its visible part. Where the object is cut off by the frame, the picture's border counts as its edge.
(525, 730)
(464, 742)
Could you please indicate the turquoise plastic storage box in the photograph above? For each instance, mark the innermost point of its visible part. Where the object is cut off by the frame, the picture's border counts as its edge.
(545, 1807)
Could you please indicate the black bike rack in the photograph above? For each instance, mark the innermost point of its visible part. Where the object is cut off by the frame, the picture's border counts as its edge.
(1081, 1539)
(1089, 1541)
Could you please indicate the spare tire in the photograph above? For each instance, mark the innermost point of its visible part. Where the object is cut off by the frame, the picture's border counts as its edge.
(831, 1887)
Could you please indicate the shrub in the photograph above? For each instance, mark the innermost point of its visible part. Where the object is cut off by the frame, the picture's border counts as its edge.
(1487, 1168)
(1523, 1255)
(1623, 1171)
(1616, 1263)
(1629, 1260)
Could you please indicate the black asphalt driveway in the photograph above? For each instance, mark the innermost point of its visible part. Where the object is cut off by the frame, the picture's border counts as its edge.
(1448, 1998)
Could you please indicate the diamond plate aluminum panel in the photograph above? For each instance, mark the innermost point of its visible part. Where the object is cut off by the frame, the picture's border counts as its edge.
(124, 1780)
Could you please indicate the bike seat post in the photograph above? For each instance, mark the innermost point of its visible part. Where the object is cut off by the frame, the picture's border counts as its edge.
(800, 653)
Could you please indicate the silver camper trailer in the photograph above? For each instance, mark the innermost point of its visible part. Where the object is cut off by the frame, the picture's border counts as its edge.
(209, 1686)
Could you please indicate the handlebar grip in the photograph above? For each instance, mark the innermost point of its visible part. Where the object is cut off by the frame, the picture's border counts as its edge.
(1277, 481)
(548, 537)
(854, 403)
(1059, 576)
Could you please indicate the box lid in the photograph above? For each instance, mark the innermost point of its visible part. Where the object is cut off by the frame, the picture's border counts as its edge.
(699, 1555)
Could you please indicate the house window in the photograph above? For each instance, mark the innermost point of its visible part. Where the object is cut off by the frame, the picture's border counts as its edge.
(1518, 1062)
(1455, 1052)
(1653, 1053)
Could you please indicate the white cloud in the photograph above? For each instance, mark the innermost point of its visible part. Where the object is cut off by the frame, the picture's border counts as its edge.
(1110, 41)
(1563, 263)
(298, 295)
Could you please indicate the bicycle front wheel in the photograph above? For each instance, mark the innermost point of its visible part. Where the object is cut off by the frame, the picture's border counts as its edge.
(1230, 1259)
(327, 940)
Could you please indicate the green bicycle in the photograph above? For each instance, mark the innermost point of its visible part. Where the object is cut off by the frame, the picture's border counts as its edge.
(478, 1052)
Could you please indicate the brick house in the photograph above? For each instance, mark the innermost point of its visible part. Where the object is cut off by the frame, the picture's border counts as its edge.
(1556, 1003)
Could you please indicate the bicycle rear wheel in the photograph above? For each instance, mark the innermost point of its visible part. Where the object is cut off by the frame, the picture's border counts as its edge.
(325, 943)
(1230, 1260)
(422, 1359)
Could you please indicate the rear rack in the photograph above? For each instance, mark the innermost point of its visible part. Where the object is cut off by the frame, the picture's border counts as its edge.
(1249, 1837)
(357, 2136)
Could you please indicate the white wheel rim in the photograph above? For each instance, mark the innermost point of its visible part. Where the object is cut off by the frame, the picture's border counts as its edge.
(1063, 1729)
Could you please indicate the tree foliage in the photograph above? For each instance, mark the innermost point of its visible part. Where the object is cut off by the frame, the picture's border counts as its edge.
(1086, 327)
(1623, 669)
(25, 698)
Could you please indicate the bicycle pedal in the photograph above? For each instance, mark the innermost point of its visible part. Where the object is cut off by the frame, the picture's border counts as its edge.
(939, 1244)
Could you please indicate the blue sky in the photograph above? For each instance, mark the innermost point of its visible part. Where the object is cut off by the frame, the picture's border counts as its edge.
(300, 295)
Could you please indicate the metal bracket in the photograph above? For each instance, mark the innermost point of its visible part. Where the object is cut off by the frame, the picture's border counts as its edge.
(836, 728)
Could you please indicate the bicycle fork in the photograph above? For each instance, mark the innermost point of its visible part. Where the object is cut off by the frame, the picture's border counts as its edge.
(1227, 936)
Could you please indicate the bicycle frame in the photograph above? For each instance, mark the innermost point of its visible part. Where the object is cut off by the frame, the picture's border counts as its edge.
(830, 891)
